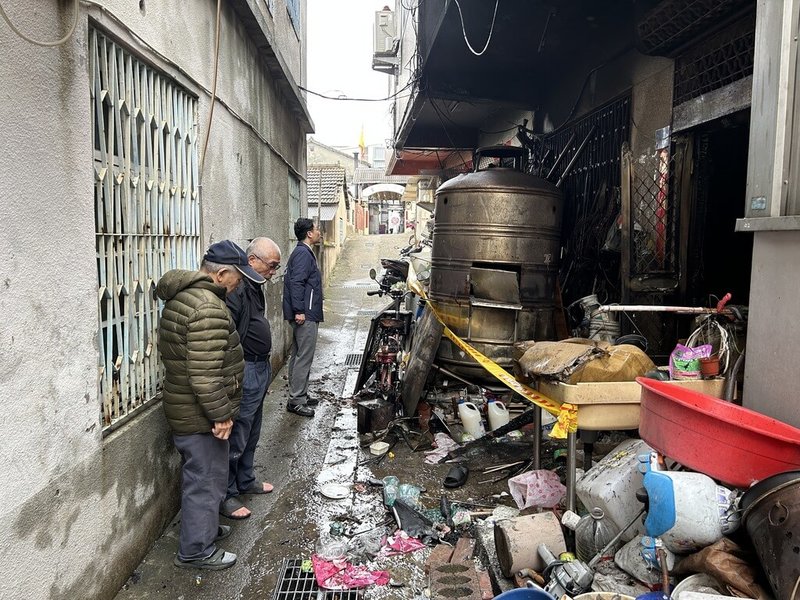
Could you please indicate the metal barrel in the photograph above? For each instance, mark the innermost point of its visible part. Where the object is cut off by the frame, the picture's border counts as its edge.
(494, 264)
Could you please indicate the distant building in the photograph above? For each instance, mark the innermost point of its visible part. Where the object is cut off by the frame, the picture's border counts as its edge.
(384, 197)
(329, 202)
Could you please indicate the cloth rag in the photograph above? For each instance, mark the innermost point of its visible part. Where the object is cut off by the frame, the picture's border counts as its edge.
(342, 575)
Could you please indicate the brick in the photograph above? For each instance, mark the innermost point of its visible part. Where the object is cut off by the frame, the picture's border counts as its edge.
(440, 555)
(455, 581)
(485, 582)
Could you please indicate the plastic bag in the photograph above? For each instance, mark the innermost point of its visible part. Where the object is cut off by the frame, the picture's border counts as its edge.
(684, 363)
(541, 489)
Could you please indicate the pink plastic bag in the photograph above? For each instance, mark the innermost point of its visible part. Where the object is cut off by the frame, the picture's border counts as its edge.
(541, 489)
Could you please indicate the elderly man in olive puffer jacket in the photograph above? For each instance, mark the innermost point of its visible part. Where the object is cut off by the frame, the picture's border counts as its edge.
(204, 365)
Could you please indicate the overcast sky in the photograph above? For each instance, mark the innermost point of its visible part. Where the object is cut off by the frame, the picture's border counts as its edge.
(340, 62)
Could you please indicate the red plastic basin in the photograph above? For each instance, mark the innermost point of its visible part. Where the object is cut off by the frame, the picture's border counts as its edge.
(735, 445)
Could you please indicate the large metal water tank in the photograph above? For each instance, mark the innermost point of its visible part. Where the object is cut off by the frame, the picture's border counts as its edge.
(496, 246)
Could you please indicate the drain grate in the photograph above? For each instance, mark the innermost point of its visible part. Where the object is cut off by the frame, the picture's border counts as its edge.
(357, 284)
(294, 584)
(353, 360)
(367, 312)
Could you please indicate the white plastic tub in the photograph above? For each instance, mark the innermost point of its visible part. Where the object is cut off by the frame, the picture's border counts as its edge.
(612, 483)
(615, 405)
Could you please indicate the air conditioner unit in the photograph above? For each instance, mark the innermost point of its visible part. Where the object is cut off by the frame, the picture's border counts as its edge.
(385, 35)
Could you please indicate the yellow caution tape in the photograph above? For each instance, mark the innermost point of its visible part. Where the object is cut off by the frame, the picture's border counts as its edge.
(566, 413)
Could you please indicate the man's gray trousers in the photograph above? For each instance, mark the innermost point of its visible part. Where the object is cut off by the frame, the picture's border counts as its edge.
(205, 479)
(304, 342)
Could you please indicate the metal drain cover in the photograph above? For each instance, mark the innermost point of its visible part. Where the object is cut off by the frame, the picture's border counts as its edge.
(353, 360)
(296, 584)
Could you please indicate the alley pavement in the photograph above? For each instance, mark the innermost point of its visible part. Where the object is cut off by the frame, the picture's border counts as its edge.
(296, 454)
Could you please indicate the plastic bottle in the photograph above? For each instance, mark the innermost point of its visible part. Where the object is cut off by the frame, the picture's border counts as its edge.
(593, 533)
(497, 414)
(470, 418)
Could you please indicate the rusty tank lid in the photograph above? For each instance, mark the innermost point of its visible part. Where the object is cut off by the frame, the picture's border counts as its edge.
(498, 178)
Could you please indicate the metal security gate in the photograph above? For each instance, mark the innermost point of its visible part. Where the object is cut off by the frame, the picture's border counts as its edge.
(585, 157)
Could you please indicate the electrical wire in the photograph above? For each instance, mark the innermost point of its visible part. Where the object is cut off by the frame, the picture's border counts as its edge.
(38, 42)
(447, 133)
(346, 98)
(464, 30)
(213, 88)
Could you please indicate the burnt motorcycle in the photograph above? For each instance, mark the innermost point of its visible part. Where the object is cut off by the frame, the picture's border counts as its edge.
(380, 373)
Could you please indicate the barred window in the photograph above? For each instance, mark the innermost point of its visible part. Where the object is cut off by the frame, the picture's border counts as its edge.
(294, 203)
(147, 215)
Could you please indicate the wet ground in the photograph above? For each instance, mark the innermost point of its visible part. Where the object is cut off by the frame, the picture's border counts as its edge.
(298, 455)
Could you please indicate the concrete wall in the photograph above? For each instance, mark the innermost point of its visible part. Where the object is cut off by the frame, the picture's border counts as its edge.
(331, 248)
(650, 81)
(771, 378)
(78, 511)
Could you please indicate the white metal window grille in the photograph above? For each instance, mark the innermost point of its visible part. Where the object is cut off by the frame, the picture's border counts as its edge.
(147, 214)
(294, 203)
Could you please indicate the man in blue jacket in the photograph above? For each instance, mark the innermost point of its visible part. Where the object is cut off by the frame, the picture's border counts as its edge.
(302, 307)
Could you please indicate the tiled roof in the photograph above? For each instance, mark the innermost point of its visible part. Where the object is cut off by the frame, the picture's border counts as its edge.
(364, 175)
(328, 211)
(332, 178)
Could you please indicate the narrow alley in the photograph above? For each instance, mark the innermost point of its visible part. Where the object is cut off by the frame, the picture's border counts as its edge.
(569, 377)
(296, 454)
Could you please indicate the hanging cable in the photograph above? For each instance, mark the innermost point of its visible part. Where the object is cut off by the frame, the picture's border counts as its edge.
(464, 30)
(346, 98)
(38, 42)
(213, 88)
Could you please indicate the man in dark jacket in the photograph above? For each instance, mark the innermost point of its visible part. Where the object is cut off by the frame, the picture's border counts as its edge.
(247, 305)
(302, 307)
(204, 367)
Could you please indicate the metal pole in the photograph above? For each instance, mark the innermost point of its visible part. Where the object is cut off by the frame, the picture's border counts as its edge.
(537, 438)
(572, 451)
(560, 156)
(575, 157)
(689, 310)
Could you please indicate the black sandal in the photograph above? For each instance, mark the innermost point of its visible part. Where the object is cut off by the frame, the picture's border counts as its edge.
(456, 477)
(230, 506)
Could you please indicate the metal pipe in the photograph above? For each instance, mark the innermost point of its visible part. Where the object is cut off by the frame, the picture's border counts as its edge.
(453, 375)
(730, 382)
(689, 310)
(572, 450)
(614, 540)
(575, 156)
(537, 438)
(560, 156)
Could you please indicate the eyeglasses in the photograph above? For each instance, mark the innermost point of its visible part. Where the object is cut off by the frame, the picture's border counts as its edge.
(269, 264)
